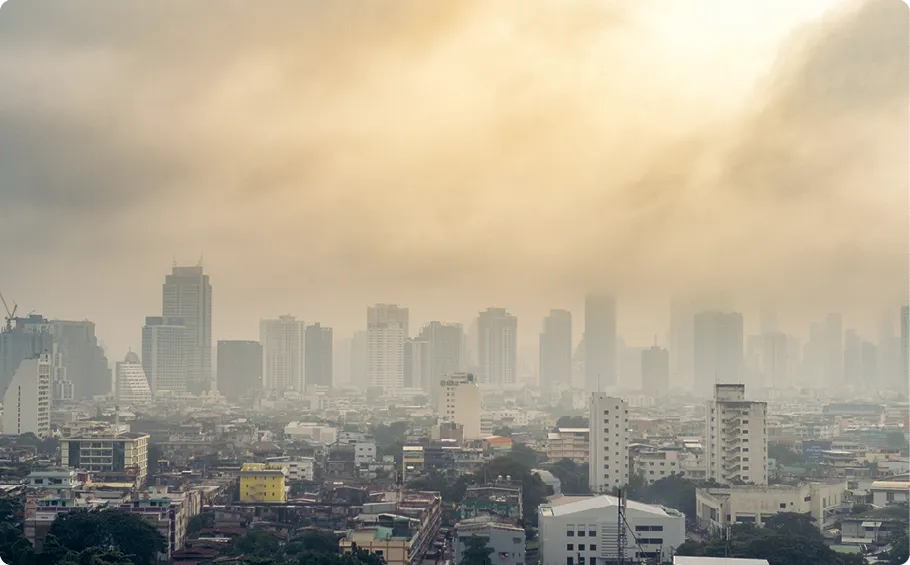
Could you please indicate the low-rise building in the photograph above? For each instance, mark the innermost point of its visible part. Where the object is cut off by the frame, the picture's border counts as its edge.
(885, 493)
(58, 481)
(364, 453)
(581, 530)
(263, 483)
(655, 464)
(108, 456)
(569, 443)
(506, 540)
(319, 433)
(298, 468)
(716, 508)
(874, 527)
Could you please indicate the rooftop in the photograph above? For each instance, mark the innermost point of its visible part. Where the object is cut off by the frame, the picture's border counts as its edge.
(565, 505)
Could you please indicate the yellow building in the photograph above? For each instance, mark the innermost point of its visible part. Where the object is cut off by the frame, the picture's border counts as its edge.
(263, 483)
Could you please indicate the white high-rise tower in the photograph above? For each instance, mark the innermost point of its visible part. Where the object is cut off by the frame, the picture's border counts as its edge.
(187, 294)
(387, 330)
(608, 424)
(283, 355)
(737, 437)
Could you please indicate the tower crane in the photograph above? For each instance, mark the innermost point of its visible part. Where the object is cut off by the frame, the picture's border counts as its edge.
(10, 315)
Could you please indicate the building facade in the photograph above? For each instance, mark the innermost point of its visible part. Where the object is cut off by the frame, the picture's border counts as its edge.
(164, 355)
(718, 349)
(569, 443)
(239, 368)
(497, 347)
(737, 437)
(187, 294)
(556, 349)
(387, 330)
(655, 371)
(132, 386)
(264, 483)
(115, 456)
(446, 352)
(84, 360)
(459, 403)
(28, 398)
(283, 355)
(318, 356)
(600, 342)
(608, 465)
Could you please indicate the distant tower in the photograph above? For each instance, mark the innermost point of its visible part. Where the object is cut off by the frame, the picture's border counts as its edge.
(497, 345)
(283, 355)
(556, 349)
(187, 294)
(387, 330)
(600, 342)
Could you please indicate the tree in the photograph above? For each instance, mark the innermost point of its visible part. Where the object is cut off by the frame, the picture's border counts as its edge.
(572, 422)
(97, 556)
(784, 455)
(860, 508)
(525, 455)
(504, 431)
(794, 524)
(573, 476)
(200, 522)
(476, 552)
(899, 552)
(896, 439)
(112, 529)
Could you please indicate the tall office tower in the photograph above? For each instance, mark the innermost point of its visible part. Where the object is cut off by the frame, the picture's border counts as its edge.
(25, 338)
(608, 422)
(718, 349)
(341, 362)
(132, 386)
(358, 360)
(682, 343)
(164, 354)
(239, 368)
(416, 361)
(387, 330)
(283, 355)
(556, 349)
(459, 403)
(905, 346)
(834, 358)
(655, 371)
(62, 388)
(578, 364)
(768, 319)
(775, 359)
(737, 437)
(27, 401)
(497, 346)
(446, 352)
(853, 359)
(318, 356)
(870, 357)
(187, 294)
(600, 342)
(85, 362)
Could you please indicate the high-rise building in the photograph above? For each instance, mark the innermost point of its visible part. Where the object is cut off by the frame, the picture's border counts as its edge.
(608, 422)
(737, 437)
(341, 362)
(239, 368)
(132, 386)
(27, 401)
(718, 349)
(834, 353)
(775, 359)
(459, 403)
(556, 349)
(682, 343)
(387, 330)
(497, 346)
(164, 356)
(655, 371)
(283, 355)
(446, 352)
(85, 362)
(358, 360)
(600, 342)
(853, 358)
(905, 345)
(25, 338)
(319, 360)
(416, 361)
(187, 294)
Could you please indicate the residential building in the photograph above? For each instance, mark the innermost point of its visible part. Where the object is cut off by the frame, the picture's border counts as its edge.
(112, 456)
(263, 483)
(416, 360)
(683, 560)
(556, 349)
(719, 507)
(132, 386)
(318, 356)
(737, 437)
(298, 468)
(387, 330)
(23, 338)
(582, 530)
(83, 359)
(501, 499)
(569, 443)
(283, 355)
(459, 402)
(446, 352)
(608, 466)
(718, 342)
(888, 492)
(239, 368)
(600, 342)
(187, 294)
(164, 354)
(57, 481)
(507, 540)
(874, 527)
(319, 433)
(28, 398)
(497, 346)
(655, 371)
(364, 452)
(655, 464)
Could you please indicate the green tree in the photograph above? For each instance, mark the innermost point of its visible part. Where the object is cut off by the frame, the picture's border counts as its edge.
(572, 422)
(794, 524)
(200, 522)
(896, 439)
(572, 475)
(97, 556)
(860, 508)
(113, 529)
(476, 552)
(504, 431)
(784, 455)
(748, 541)
(525, 455)
(899, 552)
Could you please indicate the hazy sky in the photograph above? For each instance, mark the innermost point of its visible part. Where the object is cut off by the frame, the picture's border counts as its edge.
(450, 156)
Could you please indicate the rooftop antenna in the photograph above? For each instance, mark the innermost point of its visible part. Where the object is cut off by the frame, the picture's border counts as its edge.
(199, 264)
(174, 262)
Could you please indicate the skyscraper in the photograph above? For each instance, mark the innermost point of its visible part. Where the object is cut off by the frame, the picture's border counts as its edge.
(600, 342)
(187, 294)
(358, 359)
(718, 349)
(497, 338)
(446, 352)
(239, 368)
(556, 349)
(682, 343)
(655, 371)
(416, 361)
(164, 354)
(834, 359)
(86, 365)
(27, 337)
(387, 330)
(132, 386)
(27, 401)
(608, 423)
(283, 355)
(319, 355)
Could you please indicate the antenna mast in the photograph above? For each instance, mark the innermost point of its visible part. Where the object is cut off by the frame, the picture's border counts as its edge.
(621, 526)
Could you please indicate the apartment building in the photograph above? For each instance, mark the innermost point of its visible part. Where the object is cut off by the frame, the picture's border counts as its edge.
(736, 431)
(108, 455)
(263, 483)
(569, 443)
(608, 464)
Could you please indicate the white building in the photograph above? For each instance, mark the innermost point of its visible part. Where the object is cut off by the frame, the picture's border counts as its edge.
(459, 403)
(132, 387)
(506, 540)
(27, 402)
(654, 465)
(319, 433)
(283, 355)
(187, 294)
(497, 346)
(681, 560)
(583, 530)
(387, 330)
(716, 508)
(164, 355)
(608, 464)
(117, 455)
(737, 439)
(364, 453)
(890, 492)
(569, 443)
(296, 468)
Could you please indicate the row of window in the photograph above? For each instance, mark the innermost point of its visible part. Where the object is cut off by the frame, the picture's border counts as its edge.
(649, 528)
(581, 547)
(581, 533)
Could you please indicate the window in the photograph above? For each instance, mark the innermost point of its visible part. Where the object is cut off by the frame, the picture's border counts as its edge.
(745, 450)
(570, 534)
(745, 458)
(783, 505)
(581, 533)
(569, 561)
(581, 560)
(745, 421)
(889, 496)
(592, 547)
(592, 533)
(570, 546)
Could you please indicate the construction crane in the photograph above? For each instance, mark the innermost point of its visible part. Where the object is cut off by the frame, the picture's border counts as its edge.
(10, 315)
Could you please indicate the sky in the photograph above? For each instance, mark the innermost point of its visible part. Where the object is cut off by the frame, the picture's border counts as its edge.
(449, 156)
